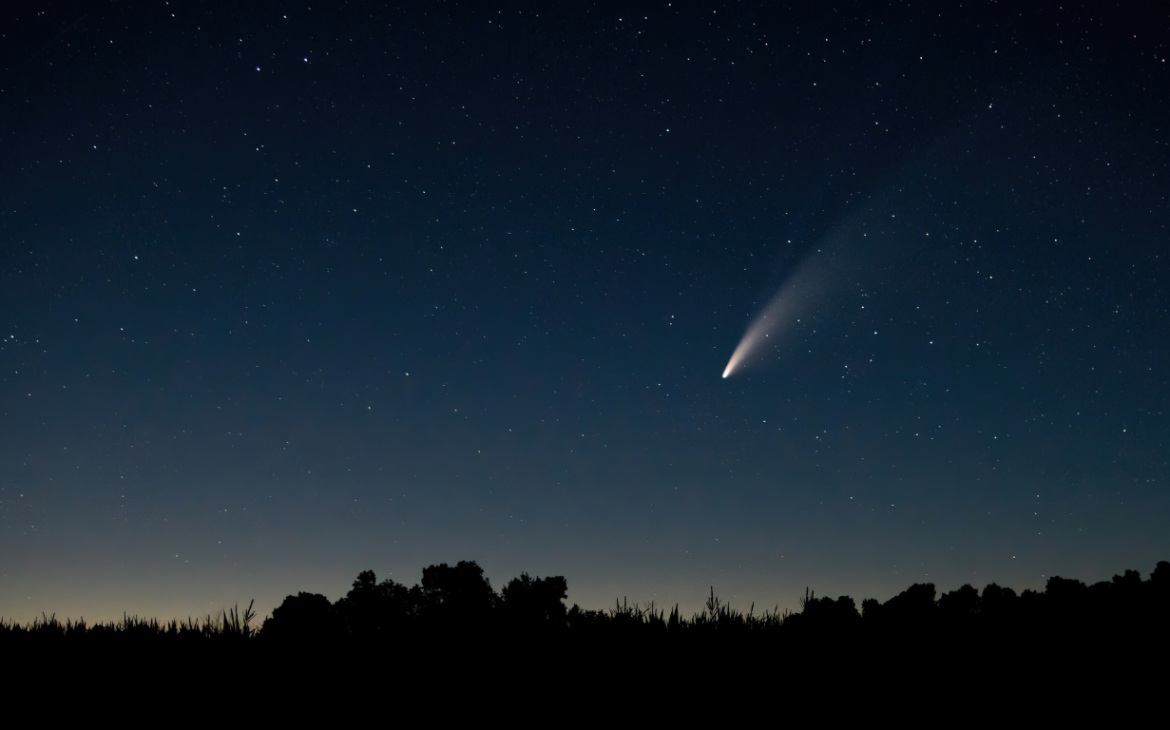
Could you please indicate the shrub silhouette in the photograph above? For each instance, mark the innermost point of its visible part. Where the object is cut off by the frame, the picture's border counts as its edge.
(827, 614)
(305, 615)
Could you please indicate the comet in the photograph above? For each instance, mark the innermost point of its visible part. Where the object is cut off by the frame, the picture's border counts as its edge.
(767, 322)
(798, 292)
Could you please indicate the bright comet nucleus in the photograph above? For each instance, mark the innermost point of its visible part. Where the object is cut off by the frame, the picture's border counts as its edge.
(795, 295)
(767, 322)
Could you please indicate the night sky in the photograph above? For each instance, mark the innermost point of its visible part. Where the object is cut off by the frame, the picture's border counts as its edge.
(290, 291)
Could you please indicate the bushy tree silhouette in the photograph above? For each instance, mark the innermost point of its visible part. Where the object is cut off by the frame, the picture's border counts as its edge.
(825, 612)
(459, 596)
(371, 608)
(912, 607)
(303, 617)
(535, 603)
(1161, 575)
(1064, 591)
(997, 601)
(1159, 586)
(961, 604)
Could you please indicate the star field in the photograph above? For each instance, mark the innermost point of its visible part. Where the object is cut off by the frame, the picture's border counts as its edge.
(292, 291)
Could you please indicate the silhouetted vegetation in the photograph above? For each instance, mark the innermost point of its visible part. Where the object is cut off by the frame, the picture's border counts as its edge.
(455, 608)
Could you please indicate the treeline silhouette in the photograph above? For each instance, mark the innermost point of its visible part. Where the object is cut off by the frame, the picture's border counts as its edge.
(452, 645)
(455, 606)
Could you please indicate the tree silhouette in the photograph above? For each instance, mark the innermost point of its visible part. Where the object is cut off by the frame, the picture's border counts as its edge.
(961, 604)
(535, 603)
(997, 601)
(454, 622)
(371, 608)
(837, 614)
(915, 605)
(303, 617)
(456, 596)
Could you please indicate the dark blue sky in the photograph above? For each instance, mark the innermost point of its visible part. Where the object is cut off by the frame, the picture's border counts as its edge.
(291, 291)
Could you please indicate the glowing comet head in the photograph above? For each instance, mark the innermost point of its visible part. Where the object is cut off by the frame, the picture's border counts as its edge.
(797, 293)
(763, 326)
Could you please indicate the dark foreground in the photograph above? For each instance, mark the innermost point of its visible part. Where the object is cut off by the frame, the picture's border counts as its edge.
(452, 642)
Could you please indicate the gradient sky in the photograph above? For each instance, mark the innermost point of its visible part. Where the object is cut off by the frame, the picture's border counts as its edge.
(290, 291)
